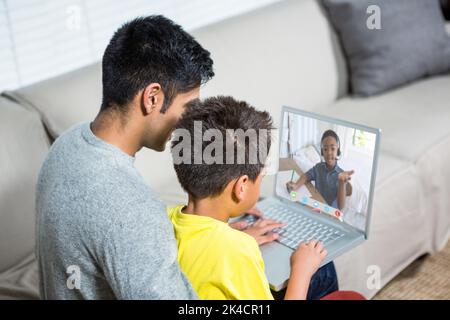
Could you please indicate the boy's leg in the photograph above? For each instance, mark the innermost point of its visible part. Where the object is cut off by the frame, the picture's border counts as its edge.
(323, 282)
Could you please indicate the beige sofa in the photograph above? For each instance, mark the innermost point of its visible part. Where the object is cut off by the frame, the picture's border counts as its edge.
(284, 54)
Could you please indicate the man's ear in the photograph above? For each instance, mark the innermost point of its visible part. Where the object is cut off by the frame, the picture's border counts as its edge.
(152, 98)
(240, 187)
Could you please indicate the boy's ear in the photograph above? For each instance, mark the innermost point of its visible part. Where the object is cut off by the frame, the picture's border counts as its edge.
(240, 187)
(152, 98)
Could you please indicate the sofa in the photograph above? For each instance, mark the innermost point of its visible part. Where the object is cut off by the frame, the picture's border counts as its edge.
(284, 54)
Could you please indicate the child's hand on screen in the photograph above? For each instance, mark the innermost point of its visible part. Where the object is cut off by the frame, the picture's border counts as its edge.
(291, 186)
(346, 176)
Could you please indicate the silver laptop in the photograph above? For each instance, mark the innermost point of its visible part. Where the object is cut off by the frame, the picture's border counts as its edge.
(311, 212)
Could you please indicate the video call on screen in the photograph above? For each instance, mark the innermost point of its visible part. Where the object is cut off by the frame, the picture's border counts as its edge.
(302, 151)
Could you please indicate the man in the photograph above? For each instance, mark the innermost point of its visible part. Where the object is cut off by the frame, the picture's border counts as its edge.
(102, 233)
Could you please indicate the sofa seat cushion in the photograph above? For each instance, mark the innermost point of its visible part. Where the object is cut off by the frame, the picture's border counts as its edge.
(434, 170)
(20, 281)
(23, 146)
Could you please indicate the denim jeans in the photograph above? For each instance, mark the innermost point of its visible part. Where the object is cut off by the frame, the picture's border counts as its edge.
(323, 282)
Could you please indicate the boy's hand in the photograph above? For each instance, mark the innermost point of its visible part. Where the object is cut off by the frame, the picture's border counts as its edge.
(307, 258)
(304, 263)
(241, 225)
(261, 230)
(255, 212)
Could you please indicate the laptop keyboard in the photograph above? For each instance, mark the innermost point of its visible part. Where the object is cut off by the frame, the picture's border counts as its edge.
(299, 228)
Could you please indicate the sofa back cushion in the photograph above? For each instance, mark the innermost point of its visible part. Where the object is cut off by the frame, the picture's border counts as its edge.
(283, 54)
(64, 100)
(23, 146)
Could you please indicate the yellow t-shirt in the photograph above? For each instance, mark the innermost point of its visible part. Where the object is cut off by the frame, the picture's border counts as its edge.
(219, 261)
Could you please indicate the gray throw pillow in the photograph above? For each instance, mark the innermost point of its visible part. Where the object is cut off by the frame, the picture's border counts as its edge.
(391, 43)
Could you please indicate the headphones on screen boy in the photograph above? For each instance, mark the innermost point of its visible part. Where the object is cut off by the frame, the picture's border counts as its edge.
(330, 133)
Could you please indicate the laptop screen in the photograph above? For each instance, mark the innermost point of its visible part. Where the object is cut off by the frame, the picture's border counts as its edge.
(327, 165)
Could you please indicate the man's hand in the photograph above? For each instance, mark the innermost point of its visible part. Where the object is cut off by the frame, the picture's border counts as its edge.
(345, 176)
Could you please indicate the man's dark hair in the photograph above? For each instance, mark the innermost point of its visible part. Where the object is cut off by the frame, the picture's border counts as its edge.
(148, 50)
(222, 113)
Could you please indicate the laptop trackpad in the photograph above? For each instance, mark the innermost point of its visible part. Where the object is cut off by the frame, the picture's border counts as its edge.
(277, 263)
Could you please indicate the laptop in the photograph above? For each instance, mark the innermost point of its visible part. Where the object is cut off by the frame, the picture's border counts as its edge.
(311, 212)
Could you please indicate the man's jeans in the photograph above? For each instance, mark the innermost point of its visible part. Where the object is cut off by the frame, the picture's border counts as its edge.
(323, 282)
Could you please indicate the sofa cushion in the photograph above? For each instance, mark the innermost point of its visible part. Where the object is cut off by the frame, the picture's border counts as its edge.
(21, 281)
(23, 146)
(64, 100)
(434, 171)
(410, 43)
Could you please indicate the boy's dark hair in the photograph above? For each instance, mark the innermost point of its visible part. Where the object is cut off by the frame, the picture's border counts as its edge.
(330, 133)
(152, 49)
(222, 113)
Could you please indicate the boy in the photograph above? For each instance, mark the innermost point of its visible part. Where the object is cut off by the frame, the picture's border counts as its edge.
(331, 181)
(220, 262)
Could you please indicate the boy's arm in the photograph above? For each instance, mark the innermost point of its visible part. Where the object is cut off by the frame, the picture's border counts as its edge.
(304, 263)
(298, 285)
(341, 194)
(303, 180)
